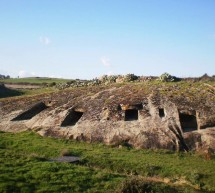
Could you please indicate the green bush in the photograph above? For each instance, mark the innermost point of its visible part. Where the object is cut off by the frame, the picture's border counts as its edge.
(52, 84)
(165, 77)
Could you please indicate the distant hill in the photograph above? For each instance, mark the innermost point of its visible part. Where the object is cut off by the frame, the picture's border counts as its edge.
(34, 80)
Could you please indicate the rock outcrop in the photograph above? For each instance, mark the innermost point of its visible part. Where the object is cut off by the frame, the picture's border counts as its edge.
(175, 116)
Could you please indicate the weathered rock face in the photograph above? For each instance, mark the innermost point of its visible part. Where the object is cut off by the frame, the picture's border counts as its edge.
(139, 115)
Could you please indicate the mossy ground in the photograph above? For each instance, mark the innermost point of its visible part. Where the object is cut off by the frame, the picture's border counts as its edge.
(25, 166)
(189, 89)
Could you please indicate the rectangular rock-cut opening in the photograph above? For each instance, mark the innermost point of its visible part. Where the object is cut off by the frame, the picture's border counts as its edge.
(33, 111)
(161, 112)
(188, 122)
(72, 118)
(131, 115)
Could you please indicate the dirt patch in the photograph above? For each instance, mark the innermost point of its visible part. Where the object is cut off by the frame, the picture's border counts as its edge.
(22, 86)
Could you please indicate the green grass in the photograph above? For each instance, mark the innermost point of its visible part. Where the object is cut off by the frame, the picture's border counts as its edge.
(38, 91)
(34, 80)
(26, 92)
(24, 166)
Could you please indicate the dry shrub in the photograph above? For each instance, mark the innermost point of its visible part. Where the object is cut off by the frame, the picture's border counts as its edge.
(138, 185)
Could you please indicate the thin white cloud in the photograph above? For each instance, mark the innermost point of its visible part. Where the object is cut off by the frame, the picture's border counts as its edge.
(44, 40)
(110, 73)
(54, 76)
(24, 74)
(105, 61)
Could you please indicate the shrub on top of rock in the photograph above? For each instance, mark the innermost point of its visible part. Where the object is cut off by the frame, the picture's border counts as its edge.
(52, 84)
(130, 77)
(166, 77)
(206, 77)
(108, 79)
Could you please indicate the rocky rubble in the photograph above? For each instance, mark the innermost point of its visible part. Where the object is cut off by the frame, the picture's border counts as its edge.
(112, 79)
(103, 80)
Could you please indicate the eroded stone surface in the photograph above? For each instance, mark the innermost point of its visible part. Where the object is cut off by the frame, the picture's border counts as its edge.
(135, 115)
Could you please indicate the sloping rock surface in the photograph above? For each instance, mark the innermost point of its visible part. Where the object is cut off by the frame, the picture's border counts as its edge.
(176, 116)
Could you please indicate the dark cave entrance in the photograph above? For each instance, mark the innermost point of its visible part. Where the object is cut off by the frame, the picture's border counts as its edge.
(188, 122)
(72, 118)
(131, 115)
(33, 111)
(161, 112)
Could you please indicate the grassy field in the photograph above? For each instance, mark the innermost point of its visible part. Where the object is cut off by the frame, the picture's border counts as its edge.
(25, 167)
(34, 80)
(25, 92)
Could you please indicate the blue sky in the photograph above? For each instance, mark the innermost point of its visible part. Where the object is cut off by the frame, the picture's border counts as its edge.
(89, 38)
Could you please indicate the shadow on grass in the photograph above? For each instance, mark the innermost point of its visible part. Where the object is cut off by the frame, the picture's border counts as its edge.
(6, 92)
(138, 185)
